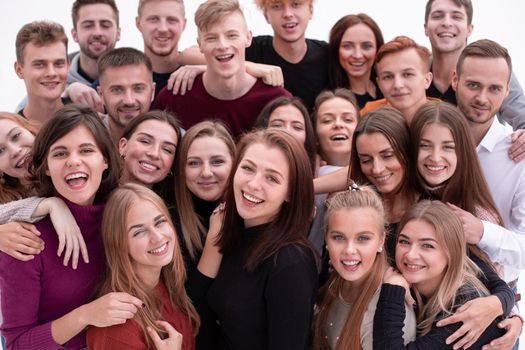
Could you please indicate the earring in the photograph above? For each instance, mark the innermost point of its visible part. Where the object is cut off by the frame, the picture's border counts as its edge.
(380, 249)
(2, 180)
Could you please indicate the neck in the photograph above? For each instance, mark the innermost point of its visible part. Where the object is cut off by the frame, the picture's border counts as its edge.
(89, 66)
(115, 131)
(149, 276)
(352, 290)
(338, 159)
(361, 85)
(409, 112)
(291, 52)
(478, 131)
(126, 177)
(395, 206)
(163, 64)
(443, 68)
(228, 88)
(41, 110)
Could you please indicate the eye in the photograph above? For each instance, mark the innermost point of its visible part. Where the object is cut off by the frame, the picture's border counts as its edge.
(495, 89)
(349, 120)
(347, 46)
(144, 140)
(364, 160)
(408, 74)
(58, 154)
(387, 77)
(2, 149)
(169, 150)
(60, 64)
(427, 246)
(233, 36)
(87, 150)
(367, 46)
(247, 168)
(217, 161)
(326, 121)
(15, 136)
(139, 88)
(276, 6)
(153, 19)
(116, 89)
(363, 238)
(160, 222)
(193, 163)
(298, 127)
(472, 85)
(337, 237)
(273, 179)
(424, 145)
(138, 232)
(449, 147)
(403, 241)
(276, 124)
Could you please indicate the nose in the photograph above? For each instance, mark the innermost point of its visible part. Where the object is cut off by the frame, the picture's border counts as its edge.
(350, 247)
(287, 11)
(338, 122)
(221, 41)
(377, 167)
(153, 152)
(254, 183)
(412, 252)
(73, 160)
(398, 82)
(447, 21)
(128, 97)
(162, 25)
(482, 96)
(13, 149)
(357, 52)
(50, 70)
(206, 170)
(155, 235)
(435, 153)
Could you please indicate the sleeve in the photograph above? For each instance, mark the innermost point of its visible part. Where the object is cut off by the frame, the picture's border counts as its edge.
(513, 108)
(502, 245)
(496, 285)
(20, 298)
(389, 322)
(290, 294)
(20, 210)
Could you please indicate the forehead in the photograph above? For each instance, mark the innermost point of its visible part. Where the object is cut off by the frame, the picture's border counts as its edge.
(158, 129)
(361, 218)
(96, 12)
(487, 69)
(436, 130)
(162, 8)
(234, 21)
(269, 3)
(208, 145)
(6, 125)
(77, 136)
(447, 6)
(358, 32)
(372, 143)
(336, 103)
(48, 52)
(288, 112)
(401, 60)
(128, 74)
(419, 229)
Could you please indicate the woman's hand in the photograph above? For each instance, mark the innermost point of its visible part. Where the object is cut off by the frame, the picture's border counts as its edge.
(476, 315)
(513, 326)
(111, 309)
(472, 226)
(20, 240)
(70, 239)
(172, 342)
(392, 276)
(211, 256)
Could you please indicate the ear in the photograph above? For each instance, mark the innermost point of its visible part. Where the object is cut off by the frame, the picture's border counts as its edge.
(249, 37)
(137, 22)
(455, 80)
(428, 79)
(470, 29)
(122, 144)
(47, 172)
(118, 34)
(426, 29)
(18, 70)
(184, 24)
(105, 164)
(153, 85)
(74, 35)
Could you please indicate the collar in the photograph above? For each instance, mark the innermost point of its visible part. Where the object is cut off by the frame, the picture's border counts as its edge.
(496, 133)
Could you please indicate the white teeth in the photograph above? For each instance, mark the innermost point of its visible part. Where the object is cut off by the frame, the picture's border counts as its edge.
(383, 178)
(350, 263)
(251, 198)
(435, 168)
(148, 166)
(22, 161)
(355, 64)
(224, 57)
(290, 25)
(446, 35)
(339, 137)
(414, 267)
(75, 176)
(159, 249)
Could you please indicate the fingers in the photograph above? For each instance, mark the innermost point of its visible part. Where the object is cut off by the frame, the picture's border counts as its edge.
(517, 148)
(29, 239)
(69, 249)
(455, 318)
(457, 334)
(19, 256)
(506, 341)
(26, 246)
(29, 227)
(155, 337)
(129, 299)
(76, 252)
(61, 243)
(83, 248)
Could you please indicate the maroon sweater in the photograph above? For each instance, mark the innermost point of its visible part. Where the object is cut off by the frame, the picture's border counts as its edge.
(198, 105)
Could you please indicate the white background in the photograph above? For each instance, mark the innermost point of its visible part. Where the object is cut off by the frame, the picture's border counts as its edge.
(501, 20)
(498, 20)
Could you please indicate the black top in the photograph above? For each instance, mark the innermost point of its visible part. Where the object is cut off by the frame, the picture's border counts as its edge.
(390, 316)
(362, 100)
(270, 308)
(65, 101)
(448, 96)
(305, 79)
(160, 80)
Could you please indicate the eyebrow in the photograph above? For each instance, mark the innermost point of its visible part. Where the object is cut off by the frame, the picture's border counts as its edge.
(270, 170)
(142, 225)
(86, 144)
(419, 240)
(152, 137)
(14, 129)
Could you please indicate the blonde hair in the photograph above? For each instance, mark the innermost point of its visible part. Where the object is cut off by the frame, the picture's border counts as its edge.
(193, 230)
(460, 272)
(350, 337)
(120, 275)
(213, 11)
(142, 3)
(263, 4)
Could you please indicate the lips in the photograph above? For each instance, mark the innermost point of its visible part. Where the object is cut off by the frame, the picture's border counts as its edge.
(21, 163)
(435, 169)
(339, 137)
(148, 166)
(50, 84)
(350, 265)
(251, 199)
(381, 180)
(224, 58)
(76, 180)
(411, 268)
(161, 250)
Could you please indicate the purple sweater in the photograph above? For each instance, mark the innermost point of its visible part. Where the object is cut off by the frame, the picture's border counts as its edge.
(37, 292)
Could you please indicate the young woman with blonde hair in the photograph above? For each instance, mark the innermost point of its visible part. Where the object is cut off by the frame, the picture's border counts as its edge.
(143, 259)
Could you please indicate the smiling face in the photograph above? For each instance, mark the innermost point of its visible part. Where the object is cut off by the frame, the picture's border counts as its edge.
(419, 256)
(353, 240)
(75, 165)
(96, 31)
(127, 91)
(289, 118)
(261, 184)
(403, 78)
(44, 70)
(447, 26)
(335, 124)
(151, 239)
(379, 162)
(207, 168)
(149, 152)
(481, 88)
(436, 155)
(15, 145)
(357, 51)
(161, 24)
(223, 44)
(289, 19)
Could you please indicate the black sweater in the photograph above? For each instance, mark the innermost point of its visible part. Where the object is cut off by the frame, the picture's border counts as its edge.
(390, 316)
(270, 308)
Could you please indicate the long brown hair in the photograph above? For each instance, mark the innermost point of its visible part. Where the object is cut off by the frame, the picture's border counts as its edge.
(460, 272)
(119, 273)
(193, 230)
(293, 222)
(12, 189)
(350, 336)
(337, 76)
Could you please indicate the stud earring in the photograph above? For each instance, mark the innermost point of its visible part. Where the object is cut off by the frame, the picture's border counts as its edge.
(380, 249)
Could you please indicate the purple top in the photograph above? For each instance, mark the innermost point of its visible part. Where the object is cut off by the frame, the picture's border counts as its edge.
(37, 292)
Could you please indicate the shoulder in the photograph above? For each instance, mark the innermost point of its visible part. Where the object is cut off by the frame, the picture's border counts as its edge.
(262, 41)
(294, 256)
(270, 92)
(316, 44)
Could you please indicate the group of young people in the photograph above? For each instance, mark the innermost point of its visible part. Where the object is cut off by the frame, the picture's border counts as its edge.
(166, 199)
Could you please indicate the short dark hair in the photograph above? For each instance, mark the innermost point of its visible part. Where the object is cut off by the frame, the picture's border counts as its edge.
(79, 3)
(484, 48)
(63, 122)
(466, 4)
(123, 56)
(40, 33)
